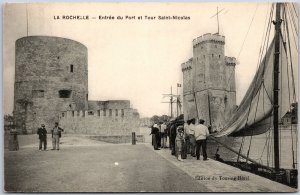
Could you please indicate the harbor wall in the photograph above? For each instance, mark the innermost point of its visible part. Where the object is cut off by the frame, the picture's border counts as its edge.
(98, 123)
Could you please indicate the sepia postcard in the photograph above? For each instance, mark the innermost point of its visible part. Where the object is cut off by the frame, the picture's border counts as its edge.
(150, 97)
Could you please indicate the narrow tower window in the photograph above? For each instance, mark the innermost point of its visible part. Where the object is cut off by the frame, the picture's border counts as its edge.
(71, 68)
(110, 112)
(64, 93)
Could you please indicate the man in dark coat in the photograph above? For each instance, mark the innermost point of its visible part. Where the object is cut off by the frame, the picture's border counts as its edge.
(155, 132)
(173, 137)
(42, 132)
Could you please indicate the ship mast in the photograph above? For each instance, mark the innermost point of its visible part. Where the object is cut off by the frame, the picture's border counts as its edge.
(276, 87)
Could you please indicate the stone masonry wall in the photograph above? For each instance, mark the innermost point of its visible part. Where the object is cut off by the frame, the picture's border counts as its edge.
(98, 123)
(110, 104)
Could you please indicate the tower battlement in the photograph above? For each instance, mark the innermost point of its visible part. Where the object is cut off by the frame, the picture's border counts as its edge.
(187, 65)
(230, 61)
(209, 37)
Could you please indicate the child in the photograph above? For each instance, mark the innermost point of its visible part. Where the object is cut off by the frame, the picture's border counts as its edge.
(179, 141)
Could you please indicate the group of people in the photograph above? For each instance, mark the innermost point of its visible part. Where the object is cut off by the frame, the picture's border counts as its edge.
(56, 135)
(184, 139)
(159, 134)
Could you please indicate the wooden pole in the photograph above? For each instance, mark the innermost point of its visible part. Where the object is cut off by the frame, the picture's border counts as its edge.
(218, 18)
(276, 87)
(209, 111)
(171, 102)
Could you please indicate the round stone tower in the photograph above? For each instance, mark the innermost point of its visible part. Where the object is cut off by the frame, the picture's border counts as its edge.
(50, 76)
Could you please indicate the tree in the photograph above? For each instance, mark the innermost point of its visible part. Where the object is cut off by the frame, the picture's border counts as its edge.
(164, 118)
(154, 119)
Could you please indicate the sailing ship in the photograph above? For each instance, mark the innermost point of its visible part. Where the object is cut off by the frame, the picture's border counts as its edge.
(270, 96)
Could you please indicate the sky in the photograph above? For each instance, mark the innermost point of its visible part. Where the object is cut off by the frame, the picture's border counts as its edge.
(138, 60)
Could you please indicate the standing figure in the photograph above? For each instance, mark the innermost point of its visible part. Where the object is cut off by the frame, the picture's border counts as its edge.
(163, 135)
(187, 135)
(201, 133)
(179, 142)
(172, 137)
(42, 132)
(56, 134)
(158, 136)
(154, 132)
(192, 137)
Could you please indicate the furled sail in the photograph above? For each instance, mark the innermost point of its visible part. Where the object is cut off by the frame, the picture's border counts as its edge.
(254, 114)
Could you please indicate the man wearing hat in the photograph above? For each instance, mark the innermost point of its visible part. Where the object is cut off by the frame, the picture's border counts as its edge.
(42, 132)
(201, 133)
(56, 134)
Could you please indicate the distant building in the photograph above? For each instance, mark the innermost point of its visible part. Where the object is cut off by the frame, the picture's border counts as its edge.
(291, 117)
(145, 122)
(209, 82)
(51, 80)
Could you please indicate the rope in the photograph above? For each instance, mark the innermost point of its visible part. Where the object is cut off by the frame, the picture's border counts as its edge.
(268, 34)
(287, 67)
(264, 146)
(230, 76)
(295, 42)
(268, 151)
(240, 150)
(253, 122)
(294, 10)
(247, 31)
(289, 44)
(293, 18)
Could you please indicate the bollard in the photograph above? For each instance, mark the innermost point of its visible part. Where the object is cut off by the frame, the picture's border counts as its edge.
(133, 138)
(13, 140)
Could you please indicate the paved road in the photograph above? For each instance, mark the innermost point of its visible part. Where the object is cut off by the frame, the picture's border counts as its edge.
(93, 169)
